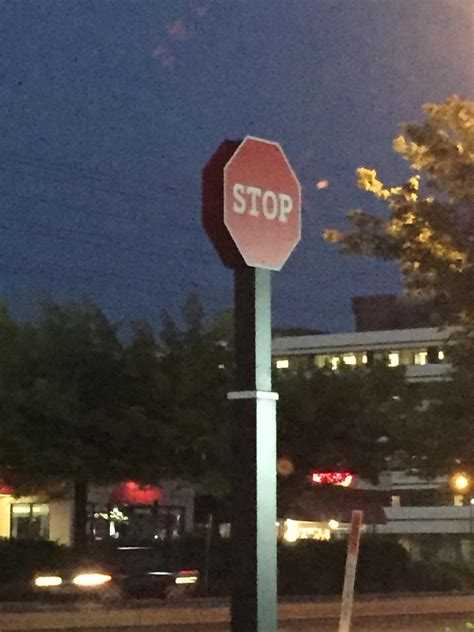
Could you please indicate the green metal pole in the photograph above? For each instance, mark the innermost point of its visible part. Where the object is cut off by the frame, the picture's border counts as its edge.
(254, 554)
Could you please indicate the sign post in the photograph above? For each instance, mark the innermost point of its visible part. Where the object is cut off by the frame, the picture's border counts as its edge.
(251, 212)
(350, 572)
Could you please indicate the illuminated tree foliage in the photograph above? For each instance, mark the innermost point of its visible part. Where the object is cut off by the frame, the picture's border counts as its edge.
(429, 227)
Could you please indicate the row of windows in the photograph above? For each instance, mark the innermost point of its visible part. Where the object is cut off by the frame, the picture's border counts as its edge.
(430, 355)
(30, 521)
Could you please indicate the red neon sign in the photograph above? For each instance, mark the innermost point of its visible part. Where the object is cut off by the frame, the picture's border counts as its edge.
(131, 493)
(332, 478)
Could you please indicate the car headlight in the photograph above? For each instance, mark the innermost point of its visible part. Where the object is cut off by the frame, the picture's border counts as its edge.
(46, 581)
(187, 577)
(186, 580)
(91, 579)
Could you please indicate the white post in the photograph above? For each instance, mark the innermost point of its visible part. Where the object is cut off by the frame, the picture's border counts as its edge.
(350, 572)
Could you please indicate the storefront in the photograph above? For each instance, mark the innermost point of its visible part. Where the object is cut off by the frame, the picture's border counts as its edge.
(126, 511)
(35, 517)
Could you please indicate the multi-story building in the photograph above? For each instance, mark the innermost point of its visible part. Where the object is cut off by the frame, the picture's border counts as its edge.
(416, 507)
(422, 351)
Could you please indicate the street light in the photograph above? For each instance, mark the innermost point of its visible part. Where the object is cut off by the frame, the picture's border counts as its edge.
(461, 482)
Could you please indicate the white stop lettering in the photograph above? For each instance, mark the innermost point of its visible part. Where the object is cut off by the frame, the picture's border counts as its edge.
(254, 200)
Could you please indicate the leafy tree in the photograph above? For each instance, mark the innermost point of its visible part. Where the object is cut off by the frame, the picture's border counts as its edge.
(78, 408)
(344, 420)
(195, 365)
(428, 228)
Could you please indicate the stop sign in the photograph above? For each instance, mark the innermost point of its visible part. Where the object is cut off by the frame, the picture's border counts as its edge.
(260, 214)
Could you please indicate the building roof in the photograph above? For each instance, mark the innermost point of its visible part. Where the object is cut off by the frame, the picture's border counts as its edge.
(361, 341)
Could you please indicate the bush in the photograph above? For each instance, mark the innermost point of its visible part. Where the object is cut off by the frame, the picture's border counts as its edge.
(310, 567)
(383, 565)
(21, 559)
(439, 576)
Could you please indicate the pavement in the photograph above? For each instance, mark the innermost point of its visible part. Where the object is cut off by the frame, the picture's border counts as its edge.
(426, 613)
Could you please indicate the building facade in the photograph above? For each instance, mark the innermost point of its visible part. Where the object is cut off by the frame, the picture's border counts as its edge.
(422, 351)
(135, 517)
(416, 507)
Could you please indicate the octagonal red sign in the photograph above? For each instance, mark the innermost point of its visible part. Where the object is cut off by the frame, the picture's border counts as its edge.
(262, 203)
(251, 203)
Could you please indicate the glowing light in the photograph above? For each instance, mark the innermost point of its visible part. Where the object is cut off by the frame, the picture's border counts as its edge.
(349, 359)
(461, 482)
(333, 524)
(322, 184)
(282, 364)
(21, 509)
(185, 580)
(47, 581)
(291, 530)
(131, 493)
(285, 467)
(305, 530)
(393, 359)
(441, 355)
(421, 357)
(91, 579)
(344, 479)
(178, 30)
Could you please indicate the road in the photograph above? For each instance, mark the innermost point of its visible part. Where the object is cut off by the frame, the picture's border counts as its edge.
(402, 614)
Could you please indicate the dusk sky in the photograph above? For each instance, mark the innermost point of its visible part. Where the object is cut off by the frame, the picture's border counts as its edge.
(110, 109)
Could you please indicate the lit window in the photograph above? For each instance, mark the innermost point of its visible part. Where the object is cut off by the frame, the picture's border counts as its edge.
(421, 357)
(395, 501)
(321, 361)
(21, 510)
(393, 358)
(29, 520)
(440, 355)
(364, 358)
(349, 359)
(282, 364)
(458, 500)
(335, 361)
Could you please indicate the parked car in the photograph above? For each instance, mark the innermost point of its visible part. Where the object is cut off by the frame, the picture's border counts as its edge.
(133, 571)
